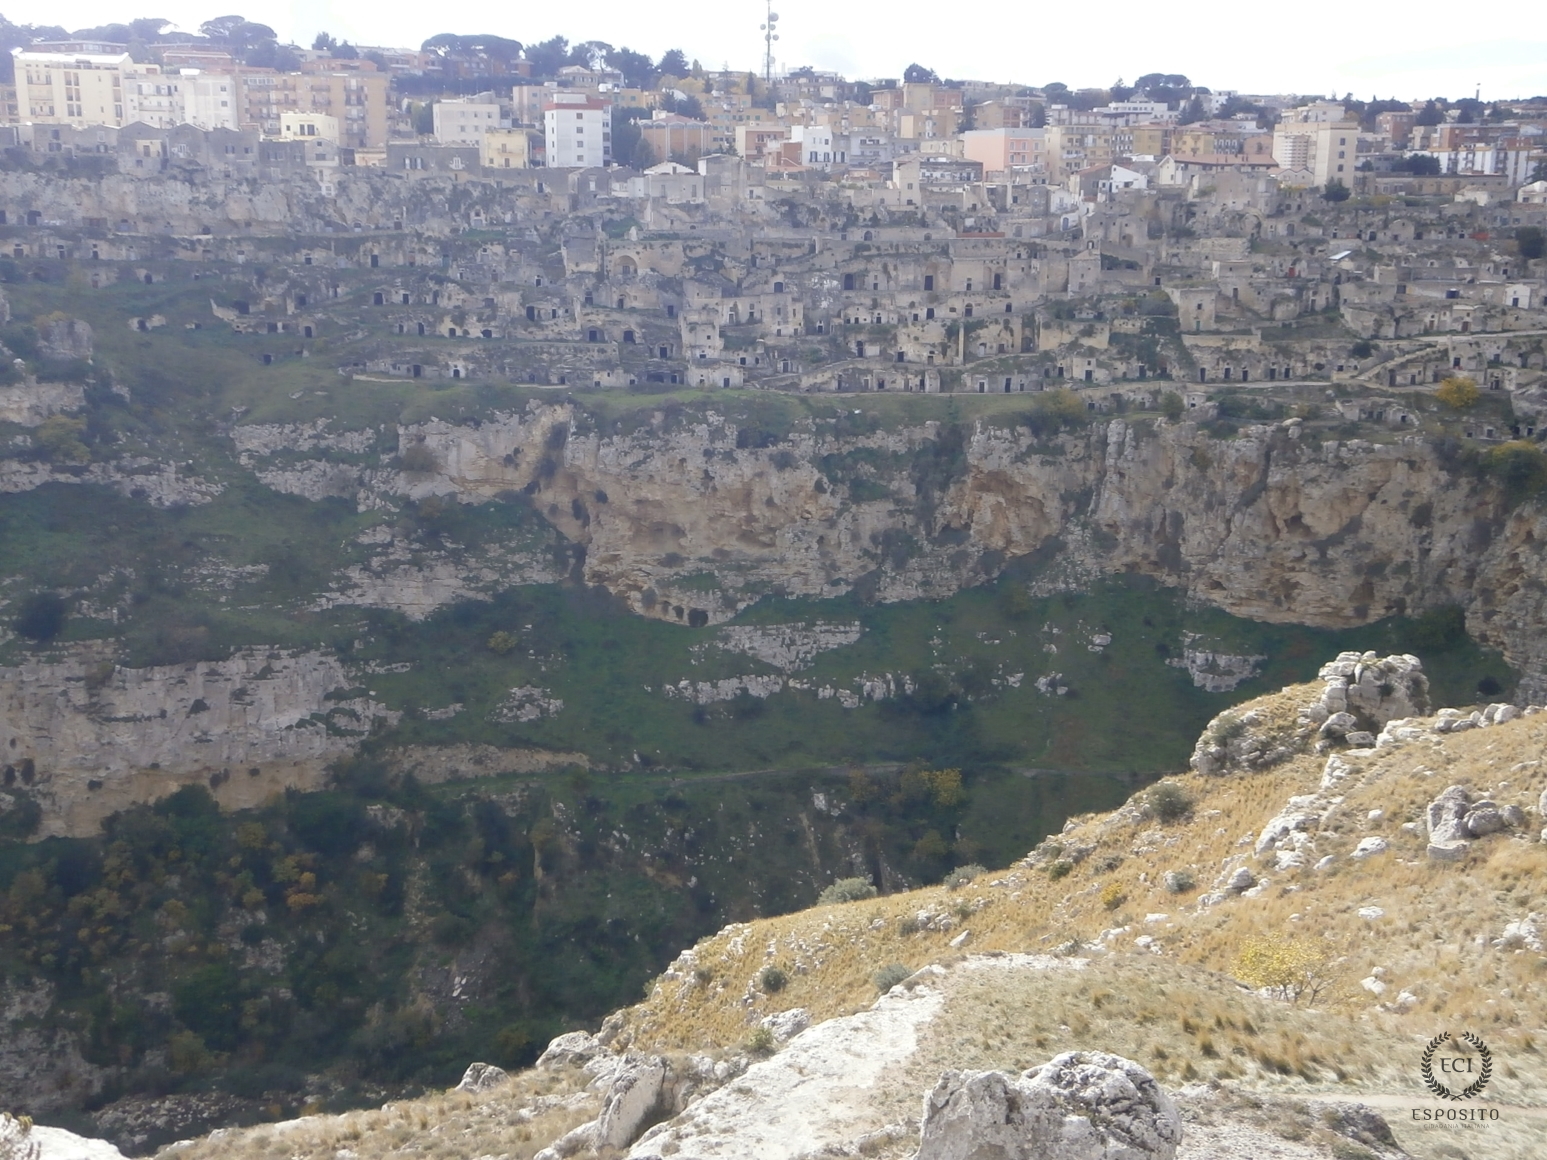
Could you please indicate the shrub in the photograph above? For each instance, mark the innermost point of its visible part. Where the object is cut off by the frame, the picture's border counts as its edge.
(1112, 896)
(908, 925)
(761, 1041)
(1519, 466)
(1059, 869)
(418, 460)
(962, 875)
(773, 980)
(889, 976)
(1287, 967)
(60, 439)
(1226, 728)
(1167, 802)
(1180, 881)
(502, 642)
(1172, 406)
(847, 890)
(1458, 393)
(41, 617)
(1108, 862)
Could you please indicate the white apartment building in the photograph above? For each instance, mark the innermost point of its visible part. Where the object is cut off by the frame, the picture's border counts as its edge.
(153, 99)
(818, 150)
(78, 89)
(578, 130)
(209, 99)
(464, 121)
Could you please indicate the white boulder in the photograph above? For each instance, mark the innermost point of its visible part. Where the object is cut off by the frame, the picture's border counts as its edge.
(1078, 1106)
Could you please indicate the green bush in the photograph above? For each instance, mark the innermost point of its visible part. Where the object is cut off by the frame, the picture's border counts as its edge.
(1180, 881)
(773, 980)
(761, 1041)
(1226, 728)
(847, 890)
(1520, 467)
(1060, 869)
(889, 976)
(1167, 802)
(418, 459)
(962, 875)
(41, 617)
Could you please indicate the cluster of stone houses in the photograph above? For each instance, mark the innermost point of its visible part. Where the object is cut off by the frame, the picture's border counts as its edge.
(1092, 265)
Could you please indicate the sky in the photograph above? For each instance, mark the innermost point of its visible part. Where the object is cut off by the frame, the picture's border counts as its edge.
(1369, 48)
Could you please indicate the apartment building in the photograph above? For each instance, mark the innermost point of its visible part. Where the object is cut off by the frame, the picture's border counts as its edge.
(577, 130)
(465, 120)
(74, 88)
(1006, 150)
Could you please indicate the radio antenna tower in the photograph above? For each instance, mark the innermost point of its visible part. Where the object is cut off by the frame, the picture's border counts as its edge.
(770, 32)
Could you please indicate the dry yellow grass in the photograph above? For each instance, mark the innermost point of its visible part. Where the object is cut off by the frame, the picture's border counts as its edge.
(1434, 938)
(451, 1126)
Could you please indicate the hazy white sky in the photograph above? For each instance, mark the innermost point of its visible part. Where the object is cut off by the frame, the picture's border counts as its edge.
(1402, 49)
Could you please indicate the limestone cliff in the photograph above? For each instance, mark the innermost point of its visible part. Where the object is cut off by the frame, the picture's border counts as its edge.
(688, 522)
(84, 738)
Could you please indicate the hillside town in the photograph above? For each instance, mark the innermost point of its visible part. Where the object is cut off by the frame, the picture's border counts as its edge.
(584, 216)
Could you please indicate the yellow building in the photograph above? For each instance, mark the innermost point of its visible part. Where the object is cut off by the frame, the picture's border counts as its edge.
(506, 149)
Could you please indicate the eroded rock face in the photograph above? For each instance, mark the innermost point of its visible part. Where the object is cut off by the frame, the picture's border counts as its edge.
(1265, 525)
(84, 737)
(1078, 1106)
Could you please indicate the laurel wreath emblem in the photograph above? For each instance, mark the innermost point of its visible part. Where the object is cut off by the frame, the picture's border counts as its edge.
(1471, 1089)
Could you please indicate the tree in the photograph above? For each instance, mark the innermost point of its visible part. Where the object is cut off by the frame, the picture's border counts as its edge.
(1539, 171)
(1420, 165)
(1430, 114)
(548, 57)
(221, 27)
(637, 68)
(917, 74)
(1172, 406)
(1335, 191)
(1193, 113)
(673, 63)
(323, 43)
(626, 138)
(1531, 242)
(1289, 968)
(1458, 393)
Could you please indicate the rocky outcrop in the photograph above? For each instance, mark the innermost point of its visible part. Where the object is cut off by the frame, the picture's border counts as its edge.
(1455, 820)
(159, 484)
(85, 737)
(42, 1069)
(65, 338)
(1362, 693)
(482, 1077)
(21, 1139)
(28, 404)
(1078, 1106)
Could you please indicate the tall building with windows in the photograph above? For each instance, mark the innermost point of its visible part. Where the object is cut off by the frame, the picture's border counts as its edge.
(578, 130)
(73, 88)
